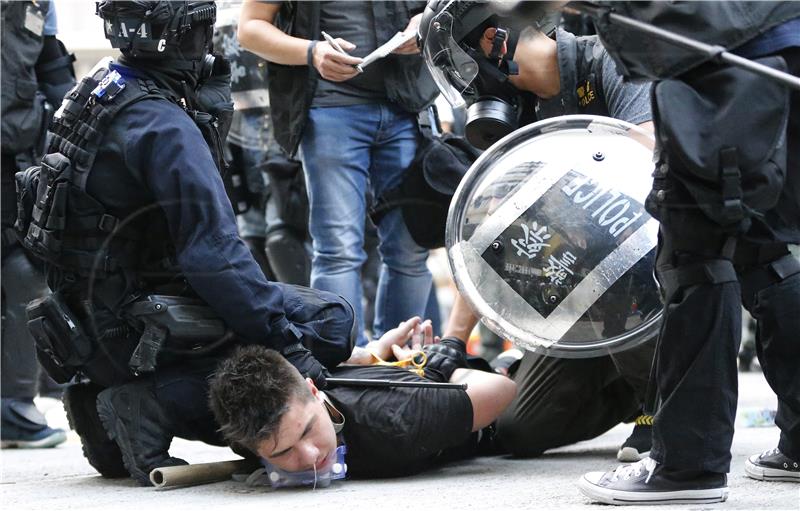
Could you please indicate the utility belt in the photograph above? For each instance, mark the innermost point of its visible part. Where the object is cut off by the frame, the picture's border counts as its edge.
(168, 328)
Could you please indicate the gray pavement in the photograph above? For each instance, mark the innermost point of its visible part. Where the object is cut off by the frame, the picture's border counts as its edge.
(61, 479)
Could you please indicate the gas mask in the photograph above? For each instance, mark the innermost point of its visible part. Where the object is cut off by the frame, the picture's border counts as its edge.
(465, 75)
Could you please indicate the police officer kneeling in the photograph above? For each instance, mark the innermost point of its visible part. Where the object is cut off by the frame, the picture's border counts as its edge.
(151, 283)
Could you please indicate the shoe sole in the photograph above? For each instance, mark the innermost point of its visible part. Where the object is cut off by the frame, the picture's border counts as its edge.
(102, 453)
(628, 498)
(43, 443)
(770, 474)
(631, 455)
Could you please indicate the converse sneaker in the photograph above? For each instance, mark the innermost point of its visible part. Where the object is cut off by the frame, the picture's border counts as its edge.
(645, 483)
(637, 446)
(772, 465)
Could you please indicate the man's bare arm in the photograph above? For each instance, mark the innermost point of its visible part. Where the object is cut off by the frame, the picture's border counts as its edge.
(489, 393)
(258, 34)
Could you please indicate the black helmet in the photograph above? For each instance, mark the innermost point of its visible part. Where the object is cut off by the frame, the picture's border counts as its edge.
(178, 31)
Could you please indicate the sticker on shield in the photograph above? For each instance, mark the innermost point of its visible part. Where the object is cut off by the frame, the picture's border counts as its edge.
(545, 253)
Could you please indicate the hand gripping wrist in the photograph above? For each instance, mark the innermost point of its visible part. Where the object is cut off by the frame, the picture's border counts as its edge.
(308, 366)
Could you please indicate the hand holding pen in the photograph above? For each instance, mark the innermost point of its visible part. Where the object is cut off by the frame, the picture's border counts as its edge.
(331, 60)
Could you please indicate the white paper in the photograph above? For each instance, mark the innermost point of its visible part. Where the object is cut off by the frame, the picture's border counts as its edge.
(397, 40)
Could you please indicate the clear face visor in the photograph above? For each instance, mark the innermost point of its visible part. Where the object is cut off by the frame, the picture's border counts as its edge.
(452, 68)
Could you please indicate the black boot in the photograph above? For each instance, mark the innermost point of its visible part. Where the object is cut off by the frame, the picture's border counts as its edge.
(80, 403)
(136, 421)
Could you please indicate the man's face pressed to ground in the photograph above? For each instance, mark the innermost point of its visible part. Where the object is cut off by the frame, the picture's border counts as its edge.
(305, 437)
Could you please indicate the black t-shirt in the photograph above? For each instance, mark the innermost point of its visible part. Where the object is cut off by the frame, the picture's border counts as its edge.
(353, 22)
(392, 431)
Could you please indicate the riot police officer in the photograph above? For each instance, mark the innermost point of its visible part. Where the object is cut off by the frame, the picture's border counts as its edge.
(726, 191)
(36, 73)
(150, 279)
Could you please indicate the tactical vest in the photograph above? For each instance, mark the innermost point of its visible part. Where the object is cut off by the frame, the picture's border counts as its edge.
(67, 227)
(22, 37)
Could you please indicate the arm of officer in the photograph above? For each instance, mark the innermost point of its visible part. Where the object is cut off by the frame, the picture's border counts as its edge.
(461, 321)
(258, 34)
(626, 100)
(180, 172)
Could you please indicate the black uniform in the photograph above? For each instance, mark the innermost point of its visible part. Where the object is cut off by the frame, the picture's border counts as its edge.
(727, 193)
(36, 72)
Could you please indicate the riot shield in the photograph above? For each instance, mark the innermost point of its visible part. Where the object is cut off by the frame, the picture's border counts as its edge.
(549, 242)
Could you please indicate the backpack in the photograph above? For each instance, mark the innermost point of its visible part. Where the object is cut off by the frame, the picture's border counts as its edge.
(428, 187)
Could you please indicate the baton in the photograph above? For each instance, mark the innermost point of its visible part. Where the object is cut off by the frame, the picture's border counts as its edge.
(364, 382)
(714, 52)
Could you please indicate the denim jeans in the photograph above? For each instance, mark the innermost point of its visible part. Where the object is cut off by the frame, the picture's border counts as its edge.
(345, 150)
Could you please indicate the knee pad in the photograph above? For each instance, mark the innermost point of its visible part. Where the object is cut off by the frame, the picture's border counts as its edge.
(258, 249)
(288, 257)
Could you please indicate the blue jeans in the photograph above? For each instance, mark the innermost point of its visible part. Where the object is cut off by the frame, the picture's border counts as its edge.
(345, 150)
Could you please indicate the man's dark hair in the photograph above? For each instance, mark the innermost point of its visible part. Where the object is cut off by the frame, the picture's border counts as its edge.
(251, 392)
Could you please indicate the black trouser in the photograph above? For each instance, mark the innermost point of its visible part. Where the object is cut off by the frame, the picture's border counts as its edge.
(21, 283)
(696, 355)
(563, 401)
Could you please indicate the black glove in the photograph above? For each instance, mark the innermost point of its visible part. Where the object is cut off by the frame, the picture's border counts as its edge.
(214, 95)
(300, 357)
(215, 88)
(444, 358)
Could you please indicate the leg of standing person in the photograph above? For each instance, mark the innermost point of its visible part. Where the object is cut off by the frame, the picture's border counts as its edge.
(23, 425)
(771, 293)
(336, 153)
(405, 281)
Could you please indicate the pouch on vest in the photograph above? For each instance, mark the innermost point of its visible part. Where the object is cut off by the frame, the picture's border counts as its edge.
(428, 186)
(48, 216)
(61, 344)
(27, 182)
(723, 135)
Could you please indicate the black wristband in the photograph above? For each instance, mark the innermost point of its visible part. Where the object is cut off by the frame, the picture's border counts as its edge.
(310, 53)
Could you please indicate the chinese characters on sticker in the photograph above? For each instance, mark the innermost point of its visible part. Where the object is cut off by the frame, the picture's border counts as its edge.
(532, 241)
(560, 268)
